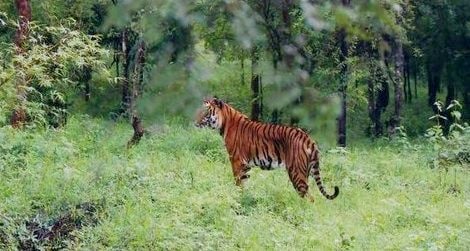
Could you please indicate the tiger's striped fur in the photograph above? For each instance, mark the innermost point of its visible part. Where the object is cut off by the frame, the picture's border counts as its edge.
(265, 145)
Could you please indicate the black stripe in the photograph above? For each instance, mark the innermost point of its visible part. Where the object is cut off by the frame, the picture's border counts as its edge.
(276, 150)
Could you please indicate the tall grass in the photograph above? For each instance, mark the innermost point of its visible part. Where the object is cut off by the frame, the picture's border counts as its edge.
(175, 191)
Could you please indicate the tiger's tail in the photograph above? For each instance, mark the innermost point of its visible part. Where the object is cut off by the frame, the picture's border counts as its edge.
(315, 173)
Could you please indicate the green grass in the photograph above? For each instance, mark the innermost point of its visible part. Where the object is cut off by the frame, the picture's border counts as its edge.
(175, 191)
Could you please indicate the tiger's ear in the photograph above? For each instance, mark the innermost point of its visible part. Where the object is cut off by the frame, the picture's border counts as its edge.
(206, 102)
(219, 103)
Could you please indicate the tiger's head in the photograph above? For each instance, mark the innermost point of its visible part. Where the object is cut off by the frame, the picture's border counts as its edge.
(211, 114)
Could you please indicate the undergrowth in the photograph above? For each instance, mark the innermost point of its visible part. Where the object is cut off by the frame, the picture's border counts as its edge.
(80, 188)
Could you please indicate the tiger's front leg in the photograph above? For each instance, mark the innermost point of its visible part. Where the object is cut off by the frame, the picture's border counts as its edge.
(239, 169)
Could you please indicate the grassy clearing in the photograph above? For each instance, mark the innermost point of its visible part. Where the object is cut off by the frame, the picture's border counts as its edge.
(175, 191)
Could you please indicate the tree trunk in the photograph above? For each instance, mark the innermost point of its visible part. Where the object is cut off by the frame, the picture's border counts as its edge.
(449, 97)
(256, 86)
(466, 101)
(138, 131)
(434, 79)
(137, 80)
(378, 96)
(85, 78)
(415, 78)
(405, 77)
(242, 74)
(408, 77)
(343, 82)
(18, 116)
(374, 128)
(398, 60)
(126, 90)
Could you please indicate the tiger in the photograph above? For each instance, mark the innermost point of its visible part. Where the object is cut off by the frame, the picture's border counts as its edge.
(251, 143)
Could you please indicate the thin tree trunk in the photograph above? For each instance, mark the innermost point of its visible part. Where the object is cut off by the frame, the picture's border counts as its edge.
(137, 80)
(126, 90)
(415, 78)
(18, 116)
(405, 77)
(433, 73)
(85, 78)
(408, 78)
(449, 97)
(138, 131)
(398, 59)
(466, 97)
(242, 75)
(343, 83)
(371, 107)
(289, 56)
(256, 104)
(377, 101)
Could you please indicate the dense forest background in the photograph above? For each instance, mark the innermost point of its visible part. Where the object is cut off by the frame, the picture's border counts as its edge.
(83, 82)
(383, 63)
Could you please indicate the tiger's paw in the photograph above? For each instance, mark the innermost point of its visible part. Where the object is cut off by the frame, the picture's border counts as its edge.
(310, 198)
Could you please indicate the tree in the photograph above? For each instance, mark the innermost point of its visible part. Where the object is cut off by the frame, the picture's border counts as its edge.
(137, 80)
(18, 116)
(397, 58)
(256, 86)
(343, 81)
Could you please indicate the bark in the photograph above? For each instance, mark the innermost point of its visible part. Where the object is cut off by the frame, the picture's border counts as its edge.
(85, 78)
(398, 60)
(342, 87)
(405, 77)
(378, 96)
(137, 80)
(18, 116)
(138, 131)
(449, 97)
(415, 78)
(242, 74)
(125, 83)
(466, 99)
(24, 13)
(343, 82)
(285, 31)
(256, 86)
(376, 127)
(434, 79)
(407, 73)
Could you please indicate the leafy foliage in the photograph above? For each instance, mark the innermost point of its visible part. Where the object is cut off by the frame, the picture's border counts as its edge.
(50, 65)
(454, 148)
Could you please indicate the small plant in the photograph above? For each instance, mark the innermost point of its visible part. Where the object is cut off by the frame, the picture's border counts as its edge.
(401, 138)
(453, 149)
(435, 134)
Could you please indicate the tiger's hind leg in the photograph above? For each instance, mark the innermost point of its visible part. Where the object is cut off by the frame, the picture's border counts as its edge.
(299, 180)
(240, 171)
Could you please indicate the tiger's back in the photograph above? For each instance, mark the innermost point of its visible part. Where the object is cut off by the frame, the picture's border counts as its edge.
(270, 146)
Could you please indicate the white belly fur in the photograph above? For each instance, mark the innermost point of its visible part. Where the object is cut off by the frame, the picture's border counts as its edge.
(265, 162)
